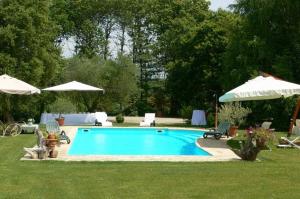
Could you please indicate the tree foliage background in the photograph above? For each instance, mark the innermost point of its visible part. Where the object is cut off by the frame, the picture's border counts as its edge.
(160, 56)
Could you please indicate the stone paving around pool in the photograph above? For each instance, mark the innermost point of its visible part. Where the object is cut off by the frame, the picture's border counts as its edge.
(217, 148)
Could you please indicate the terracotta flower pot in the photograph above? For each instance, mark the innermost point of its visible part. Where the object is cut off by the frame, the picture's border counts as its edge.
(51, 141)
(61, 121)
(233, 131)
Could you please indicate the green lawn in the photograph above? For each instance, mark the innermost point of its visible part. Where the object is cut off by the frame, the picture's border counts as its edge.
(276, 175)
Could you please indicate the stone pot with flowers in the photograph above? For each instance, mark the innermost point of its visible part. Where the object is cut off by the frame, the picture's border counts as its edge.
(257, 139)
(263, 137)
(62, 106)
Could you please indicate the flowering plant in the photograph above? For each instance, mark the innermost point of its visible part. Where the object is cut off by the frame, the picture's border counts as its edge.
(261, 135)
(257, 139)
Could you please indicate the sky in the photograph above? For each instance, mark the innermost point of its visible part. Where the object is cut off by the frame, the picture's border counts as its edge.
(68, 47)
(216, 4)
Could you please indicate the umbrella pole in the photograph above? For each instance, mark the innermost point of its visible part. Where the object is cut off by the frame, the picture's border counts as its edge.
(216, 113)
(296, 111)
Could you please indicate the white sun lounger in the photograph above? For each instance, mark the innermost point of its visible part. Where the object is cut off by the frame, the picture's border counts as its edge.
(101, 119)
(291, 143)
(149, 120)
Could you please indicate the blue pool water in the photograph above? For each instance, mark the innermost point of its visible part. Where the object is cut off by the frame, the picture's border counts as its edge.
(136, 141)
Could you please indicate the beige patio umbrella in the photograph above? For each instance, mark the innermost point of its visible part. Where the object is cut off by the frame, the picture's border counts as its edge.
(262, 88)
(12, 85)
(73, 86)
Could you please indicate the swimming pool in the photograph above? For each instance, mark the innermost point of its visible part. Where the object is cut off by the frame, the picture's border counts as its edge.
(136, 141)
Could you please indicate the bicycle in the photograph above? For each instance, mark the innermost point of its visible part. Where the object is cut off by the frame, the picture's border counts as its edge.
(12, 129)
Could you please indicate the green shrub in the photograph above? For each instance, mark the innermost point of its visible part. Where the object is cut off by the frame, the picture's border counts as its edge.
(120, 118)
(210, 119)
(62, 105)
(186, 112)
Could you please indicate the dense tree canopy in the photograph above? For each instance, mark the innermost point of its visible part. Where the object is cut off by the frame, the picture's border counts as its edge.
(161, 56)
(28, 50)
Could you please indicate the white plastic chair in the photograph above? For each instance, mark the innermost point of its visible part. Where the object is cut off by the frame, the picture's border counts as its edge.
(149, 120)
(266, 125)
(101, 119)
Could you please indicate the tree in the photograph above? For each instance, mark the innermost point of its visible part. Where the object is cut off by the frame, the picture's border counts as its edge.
(265, 38)
(117, 78)
(192, 41)
(28, 51)
(269, 37)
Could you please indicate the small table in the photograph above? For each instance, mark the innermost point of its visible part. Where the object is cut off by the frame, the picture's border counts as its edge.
(29, 128)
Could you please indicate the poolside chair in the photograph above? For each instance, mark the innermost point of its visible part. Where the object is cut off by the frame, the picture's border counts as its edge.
(40, 151)
(53, 127)
(222, 129)
(149, 120)
(292, 143)
(267, 125)
(101, 119)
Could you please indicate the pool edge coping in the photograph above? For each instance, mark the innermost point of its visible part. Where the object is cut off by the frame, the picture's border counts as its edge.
(217, 155)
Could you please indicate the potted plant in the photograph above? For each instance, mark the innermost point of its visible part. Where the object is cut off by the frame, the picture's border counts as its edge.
(262, 137)
(60, 120)
(233, 113)
(62, 106)
(30, 121)
(51, 141)
(257, 139)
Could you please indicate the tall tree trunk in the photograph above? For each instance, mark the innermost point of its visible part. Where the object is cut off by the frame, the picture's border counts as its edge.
(122, 40)
(6, 107)
(108, 24)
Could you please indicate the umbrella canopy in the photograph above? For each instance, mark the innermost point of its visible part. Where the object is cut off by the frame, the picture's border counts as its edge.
(261, 88)
(14, 86)
(73, 86)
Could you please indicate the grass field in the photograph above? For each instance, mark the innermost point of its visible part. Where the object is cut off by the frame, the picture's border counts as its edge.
(276, 175)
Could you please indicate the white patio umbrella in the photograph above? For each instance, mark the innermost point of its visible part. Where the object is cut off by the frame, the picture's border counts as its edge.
(261, 88)
(73, 86)
(14, 86)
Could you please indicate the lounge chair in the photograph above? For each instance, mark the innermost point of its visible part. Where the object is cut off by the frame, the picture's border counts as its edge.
(40, 151)
(222, 129)
(53, 127)
(101, 119)
(292, 143)
(266, 125)
(149, 120)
